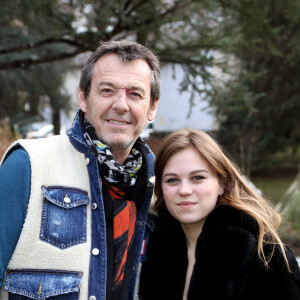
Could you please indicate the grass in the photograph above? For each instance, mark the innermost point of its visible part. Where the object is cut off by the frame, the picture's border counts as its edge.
(274, 188)
(279, 171)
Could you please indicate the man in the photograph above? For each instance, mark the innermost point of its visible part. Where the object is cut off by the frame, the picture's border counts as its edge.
(83, 197)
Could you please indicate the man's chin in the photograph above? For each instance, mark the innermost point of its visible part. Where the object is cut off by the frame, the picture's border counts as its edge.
(120, 144)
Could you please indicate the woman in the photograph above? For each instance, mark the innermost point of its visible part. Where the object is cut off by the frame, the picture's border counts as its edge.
(215, 238)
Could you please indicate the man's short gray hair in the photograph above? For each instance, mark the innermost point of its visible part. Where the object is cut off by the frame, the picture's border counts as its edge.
(127, 51)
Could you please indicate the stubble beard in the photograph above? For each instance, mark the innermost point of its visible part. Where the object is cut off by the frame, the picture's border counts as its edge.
(118, 146)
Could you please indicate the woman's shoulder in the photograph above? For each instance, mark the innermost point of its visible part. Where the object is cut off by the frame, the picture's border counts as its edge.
(228, 216)
(231, 230)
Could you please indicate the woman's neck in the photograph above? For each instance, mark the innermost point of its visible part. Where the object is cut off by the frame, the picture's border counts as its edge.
(191, 234)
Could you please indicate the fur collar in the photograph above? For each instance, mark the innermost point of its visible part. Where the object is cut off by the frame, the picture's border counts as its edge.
(225, 250)
(226, 265)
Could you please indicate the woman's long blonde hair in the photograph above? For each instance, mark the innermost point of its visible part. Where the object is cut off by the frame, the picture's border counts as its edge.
(237, 192)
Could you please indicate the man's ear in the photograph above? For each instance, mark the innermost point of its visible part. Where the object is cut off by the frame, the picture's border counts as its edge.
(152, 111)
(81, 100)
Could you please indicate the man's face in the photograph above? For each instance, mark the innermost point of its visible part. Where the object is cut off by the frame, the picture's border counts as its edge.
(118, 105)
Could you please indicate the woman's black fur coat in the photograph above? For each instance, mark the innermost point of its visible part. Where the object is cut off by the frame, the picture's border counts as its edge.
(227, 266)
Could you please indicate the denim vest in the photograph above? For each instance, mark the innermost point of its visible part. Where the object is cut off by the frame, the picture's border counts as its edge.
(73, 203)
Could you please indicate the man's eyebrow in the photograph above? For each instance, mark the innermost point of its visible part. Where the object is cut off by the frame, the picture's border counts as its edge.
(111, 84)
(106, 83)
(137, 88)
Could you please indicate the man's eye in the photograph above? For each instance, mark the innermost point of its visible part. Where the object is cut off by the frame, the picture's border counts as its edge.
(135, 95)
(106, 92)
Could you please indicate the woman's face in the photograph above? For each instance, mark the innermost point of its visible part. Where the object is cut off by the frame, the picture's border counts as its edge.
(190, 187)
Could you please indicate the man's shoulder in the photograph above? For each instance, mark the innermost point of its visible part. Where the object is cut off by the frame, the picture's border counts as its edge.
(44, 141)
(15, 172)
(16, 156)
(20, 152)
(42, 144)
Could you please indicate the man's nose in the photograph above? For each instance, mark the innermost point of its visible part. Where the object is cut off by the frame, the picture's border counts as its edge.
(120, 101)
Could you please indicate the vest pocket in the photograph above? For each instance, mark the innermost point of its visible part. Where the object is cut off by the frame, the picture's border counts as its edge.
(40, 284)
(64, 216)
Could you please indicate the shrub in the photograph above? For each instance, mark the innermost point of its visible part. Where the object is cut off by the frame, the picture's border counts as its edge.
(6, 136)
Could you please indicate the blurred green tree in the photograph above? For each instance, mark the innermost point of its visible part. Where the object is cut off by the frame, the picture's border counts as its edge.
(34, 33)
(258, 106)
(254, 44)
(23, 85)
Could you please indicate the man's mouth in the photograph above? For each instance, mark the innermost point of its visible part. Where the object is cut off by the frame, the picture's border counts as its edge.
(118, 122)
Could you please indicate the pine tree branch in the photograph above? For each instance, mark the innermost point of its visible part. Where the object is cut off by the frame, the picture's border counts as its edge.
(27, 62)
(33, 45)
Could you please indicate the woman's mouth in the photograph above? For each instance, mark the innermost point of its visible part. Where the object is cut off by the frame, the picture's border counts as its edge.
(186, 204)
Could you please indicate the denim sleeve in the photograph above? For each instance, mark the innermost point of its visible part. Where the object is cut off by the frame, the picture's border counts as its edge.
(15, 179)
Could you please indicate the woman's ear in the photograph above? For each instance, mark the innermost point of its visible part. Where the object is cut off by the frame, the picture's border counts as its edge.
(221, 187)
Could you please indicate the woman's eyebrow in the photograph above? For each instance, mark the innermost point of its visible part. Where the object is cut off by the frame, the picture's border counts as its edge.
(199, 171)
(192, 172)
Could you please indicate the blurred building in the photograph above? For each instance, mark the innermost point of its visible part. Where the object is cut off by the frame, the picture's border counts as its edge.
(173, 107)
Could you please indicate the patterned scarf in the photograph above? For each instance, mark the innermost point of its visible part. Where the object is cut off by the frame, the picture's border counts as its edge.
(113, 172)
(117, 181)
(124, 217)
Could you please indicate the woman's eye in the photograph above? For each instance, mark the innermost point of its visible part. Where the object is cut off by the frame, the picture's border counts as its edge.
(198, 177)
(171, 180)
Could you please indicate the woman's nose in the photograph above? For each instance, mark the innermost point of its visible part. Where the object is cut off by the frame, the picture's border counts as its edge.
(185, 189)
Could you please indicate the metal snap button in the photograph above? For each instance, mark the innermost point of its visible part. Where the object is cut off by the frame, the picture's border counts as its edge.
(67, 199)
(95, 251)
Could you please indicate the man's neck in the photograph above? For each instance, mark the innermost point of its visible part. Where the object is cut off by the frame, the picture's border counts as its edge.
(120, 156)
